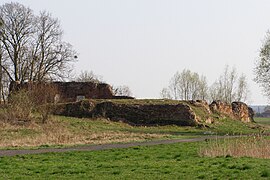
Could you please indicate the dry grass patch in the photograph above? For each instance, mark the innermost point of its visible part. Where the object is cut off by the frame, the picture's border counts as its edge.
(255, 146)
(57, 132)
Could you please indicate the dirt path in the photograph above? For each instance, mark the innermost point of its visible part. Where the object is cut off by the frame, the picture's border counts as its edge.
(107, 146)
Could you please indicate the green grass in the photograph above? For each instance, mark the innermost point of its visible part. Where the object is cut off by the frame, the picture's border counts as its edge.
(176, 161)
(234, 127)
(102, 125)
(220, 127)
(68, 131)
(261, 120)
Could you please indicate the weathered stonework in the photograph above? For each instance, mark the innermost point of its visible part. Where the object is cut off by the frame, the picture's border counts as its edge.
(236, 110)
(203, 104)
(242, 112)
(73, 91)
(221, 107)
(70, 91)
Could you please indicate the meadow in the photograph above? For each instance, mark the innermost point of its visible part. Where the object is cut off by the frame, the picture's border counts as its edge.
(263, 121)
(63, 131)
(175, 161)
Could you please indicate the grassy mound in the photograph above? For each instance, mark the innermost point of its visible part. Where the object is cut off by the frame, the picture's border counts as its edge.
(140, 112)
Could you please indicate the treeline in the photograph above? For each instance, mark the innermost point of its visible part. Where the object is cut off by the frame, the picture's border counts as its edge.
(188, 85)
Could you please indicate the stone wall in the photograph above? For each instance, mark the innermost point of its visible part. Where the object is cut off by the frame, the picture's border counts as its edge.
(71, 91)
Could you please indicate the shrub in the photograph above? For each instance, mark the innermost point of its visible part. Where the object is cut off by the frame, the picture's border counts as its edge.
(43, 97)
(39, 98)
(20, 107)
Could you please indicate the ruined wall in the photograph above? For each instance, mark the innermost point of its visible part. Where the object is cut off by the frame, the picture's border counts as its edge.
(78, 109)
(70, 91)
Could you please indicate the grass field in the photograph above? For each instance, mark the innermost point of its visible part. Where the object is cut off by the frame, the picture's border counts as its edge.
(67, 131)
(177, 161)
(264, 121)
(62, 131)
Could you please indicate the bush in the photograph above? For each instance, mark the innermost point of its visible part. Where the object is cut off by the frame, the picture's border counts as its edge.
(20, 107)
(38, 98)
(43, 97)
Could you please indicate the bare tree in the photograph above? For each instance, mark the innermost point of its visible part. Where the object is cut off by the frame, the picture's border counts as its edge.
(122, 91)
(230, 81)
(242, 91)
(262, 68)
(50, 56)
(189, 85)
(228, 87)
(15, 35)
(33, 44)
(186, 85)
(88, 76)
(174, 85)
(194, 86)
(203, 88)
(216, 90)
(165, 93)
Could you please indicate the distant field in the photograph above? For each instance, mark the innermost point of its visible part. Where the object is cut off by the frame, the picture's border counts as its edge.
(265, 121)
(176, 161)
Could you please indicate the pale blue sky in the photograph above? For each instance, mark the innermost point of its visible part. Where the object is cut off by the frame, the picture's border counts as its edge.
(142, 43)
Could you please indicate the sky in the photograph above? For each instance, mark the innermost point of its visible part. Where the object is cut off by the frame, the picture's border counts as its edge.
(142, 43)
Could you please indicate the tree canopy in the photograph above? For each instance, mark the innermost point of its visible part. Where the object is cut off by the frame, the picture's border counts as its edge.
(262, 67)
(32, 48)
(188, 85)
